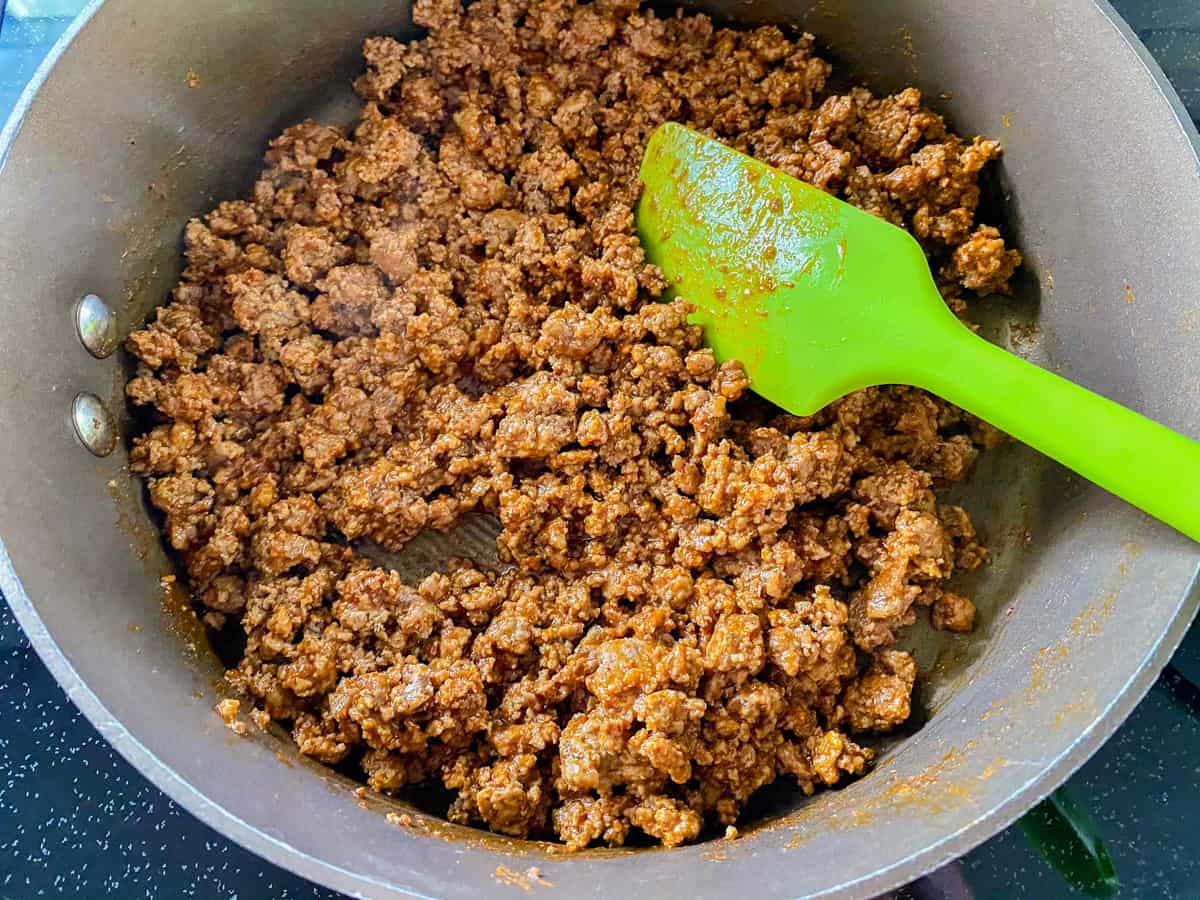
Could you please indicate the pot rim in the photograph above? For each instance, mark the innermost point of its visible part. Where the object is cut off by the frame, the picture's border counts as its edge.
(283, 854)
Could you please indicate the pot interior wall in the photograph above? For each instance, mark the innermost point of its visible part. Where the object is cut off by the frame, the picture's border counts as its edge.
(1084, 598)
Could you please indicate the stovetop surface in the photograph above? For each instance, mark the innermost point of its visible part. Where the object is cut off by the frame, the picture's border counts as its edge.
(76, 820)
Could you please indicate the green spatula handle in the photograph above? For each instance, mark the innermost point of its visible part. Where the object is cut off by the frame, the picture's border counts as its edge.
(1142, 462)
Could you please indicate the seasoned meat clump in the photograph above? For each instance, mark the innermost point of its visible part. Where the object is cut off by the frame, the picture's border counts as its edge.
(445, 310)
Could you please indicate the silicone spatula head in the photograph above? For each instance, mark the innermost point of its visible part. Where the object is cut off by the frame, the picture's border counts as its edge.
(815, 297)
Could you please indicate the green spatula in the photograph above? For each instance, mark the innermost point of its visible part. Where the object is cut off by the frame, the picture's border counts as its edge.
(818, 299)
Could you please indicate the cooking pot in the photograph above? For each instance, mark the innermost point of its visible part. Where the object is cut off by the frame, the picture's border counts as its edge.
(150, 111)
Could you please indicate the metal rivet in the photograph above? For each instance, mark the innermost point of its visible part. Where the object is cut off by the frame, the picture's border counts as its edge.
(94, 426)
(96, 326)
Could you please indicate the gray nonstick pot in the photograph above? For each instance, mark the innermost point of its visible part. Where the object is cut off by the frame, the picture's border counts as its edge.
(150, 111)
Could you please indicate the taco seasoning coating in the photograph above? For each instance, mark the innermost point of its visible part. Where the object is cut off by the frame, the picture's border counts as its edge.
(447, 310)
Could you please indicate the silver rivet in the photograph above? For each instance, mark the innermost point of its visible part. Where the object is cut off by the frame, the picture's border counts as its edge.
(94, 425)
(96, 326)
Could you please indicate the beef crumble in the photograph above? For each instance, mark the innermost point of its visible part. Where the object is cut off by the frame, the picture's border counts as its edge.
(447, 310)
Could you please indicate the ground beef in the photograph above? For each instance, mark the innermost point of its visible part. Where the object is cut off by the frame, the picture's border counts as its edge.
(446, 311)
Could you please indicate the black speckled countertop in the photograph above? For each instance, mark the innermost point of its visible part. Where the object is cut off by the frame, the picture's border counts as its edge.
(77, 821)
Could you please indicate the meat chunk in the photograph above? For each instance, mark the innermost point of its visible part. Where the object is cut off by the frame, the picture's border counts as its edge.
(310, 253)
(736, 644)
(983, 264)
(879, 699)
(540, 419)
(262, 304)
(348, 295)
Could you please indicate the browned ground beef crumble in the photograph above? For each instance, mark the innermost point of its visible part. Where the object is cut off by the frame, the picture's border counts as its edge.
(447, 310)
